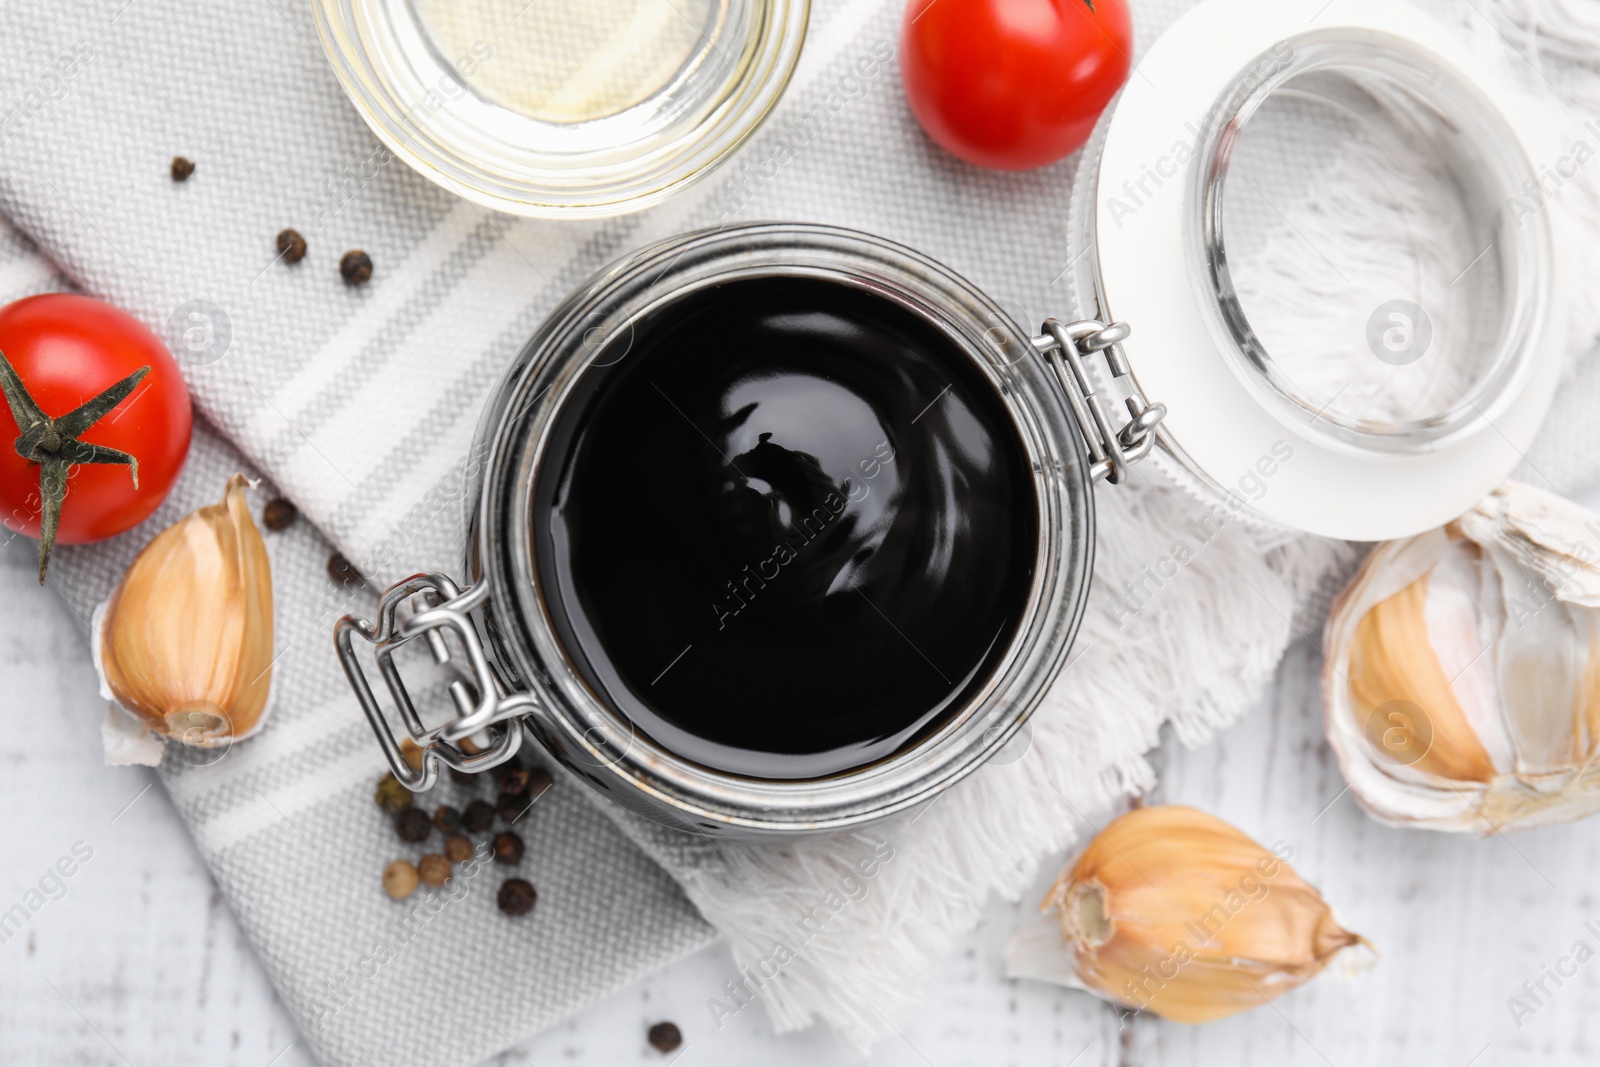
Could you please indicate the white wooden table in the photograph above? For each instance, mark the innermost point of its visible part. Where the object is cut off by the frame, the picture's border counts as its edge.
(141, 963)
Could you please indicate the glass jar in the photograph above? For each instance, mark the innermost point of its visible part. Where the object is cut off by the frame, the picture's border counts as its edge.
(563, 110)
(1075, 393)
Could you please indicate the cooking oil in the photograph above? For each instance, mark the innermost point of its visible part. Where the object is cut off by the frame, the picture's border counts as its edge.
(581, 61)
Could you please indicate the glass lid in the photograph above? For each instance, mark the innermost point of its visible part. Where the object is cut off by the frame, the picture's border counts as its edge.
(1315, 218)
(1354, 232)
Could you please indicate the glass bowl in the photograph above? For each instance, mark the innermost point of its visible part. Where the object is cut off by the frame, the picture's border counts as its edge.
(550, 109)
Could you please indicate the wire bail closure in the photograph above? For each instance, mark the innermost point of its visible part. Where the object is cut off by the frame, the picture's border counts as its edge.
(1067, 348)
(480, 703)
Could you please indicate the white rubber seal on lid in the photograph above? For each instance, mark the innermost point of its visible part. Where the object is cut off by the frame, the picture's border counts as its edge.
(1163, 270)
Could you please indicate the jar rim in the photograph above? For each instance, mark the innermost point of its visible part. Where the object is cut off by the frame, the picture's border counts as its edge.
(578, 726)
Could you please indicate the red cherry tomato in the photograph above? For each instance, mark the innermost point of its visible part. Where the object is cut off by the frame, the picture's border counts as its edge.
(66, 350)
(1013, 84)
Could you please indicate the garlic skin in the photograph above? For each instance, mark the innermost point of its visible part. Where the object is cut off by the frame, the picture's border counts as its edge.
(185, 642)
(1173, 911)
(1462, 685)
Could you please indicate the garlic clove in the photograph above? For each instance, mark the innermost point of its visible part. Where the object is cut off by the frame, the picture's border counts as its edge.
(1174, 911)
(1540, 663)
(1486, 636)
(185, 643)
(1392, 672)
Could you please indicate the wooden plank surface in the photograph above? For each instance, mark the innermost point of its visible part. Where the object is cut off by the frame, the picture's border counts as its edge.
(141, 963)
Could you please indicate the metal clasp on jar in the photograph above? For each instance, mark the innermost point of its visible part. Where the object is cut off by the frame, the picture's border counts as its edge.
(437, 608)
(1067, 348)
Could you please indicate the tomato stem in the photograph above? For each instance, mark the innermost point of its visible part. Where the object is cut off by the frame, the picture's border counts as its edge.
(53, 443)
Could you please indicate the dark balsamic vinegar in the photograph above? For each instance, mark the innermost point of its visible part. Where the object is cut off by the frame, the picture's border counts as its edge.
(784, 528)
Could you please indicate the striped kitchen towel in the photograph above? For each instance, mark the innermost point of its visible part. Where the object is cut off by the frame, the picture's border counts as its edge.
(360, 404)
(288, 827)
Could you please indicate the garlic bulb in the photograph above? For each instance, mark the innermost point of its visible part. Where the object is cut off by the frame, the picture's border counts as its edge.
(1462, 686)
(1174, 911)
(185, 642)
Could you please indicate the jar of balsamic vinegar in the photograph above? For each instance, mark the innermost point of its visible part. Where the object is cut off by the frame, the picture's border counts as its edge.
(783, 528)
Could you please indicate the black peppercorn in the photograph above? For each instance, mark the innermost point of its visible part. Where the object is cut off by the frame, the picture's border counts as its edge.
(458, 849)
(512, 808)
(514, 782)
(447, 819)
(508, 848)
(279, 514)
(342, 570)
(291, 246)
(665, 1037)
(356, 267)
(463, 777)
(517, 897)
(478, 817)
(181, 169)
(391, 796)
(434, 870)
(413, 824)
(538, 781)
